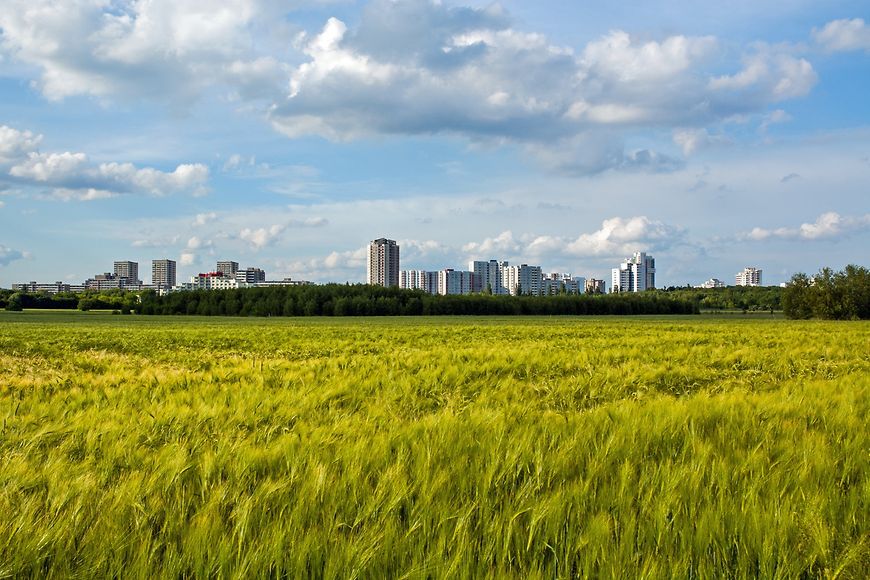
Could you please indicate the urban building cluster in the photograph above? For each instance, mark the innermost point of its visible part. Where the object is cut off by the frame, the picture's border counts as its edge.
(125, 276)
(483, 276)
(748, 277)
(635, 274)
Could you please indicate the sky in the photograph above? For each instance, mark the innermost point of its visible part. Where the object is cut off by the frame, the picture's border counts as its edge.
(287, 134)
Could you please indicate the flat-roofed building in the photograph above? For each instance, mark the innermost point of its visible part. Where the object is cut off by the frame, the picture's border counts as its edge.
(163, 273)
(382, 266)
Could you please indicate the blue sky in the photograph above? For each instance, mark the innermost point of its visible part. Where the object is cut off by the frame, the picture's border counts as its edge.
(287, 134)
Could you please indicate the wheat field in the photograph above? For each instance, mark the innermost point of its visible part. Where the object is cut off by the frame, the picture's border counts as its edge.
(691, 447)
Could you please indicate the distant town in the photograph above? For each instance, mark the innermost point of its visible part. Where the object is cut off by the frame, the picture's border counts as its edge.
(498, 277)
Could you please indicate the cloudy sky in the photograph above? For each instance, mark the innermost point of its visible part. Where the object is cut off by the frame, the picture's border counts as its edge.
(286, 134)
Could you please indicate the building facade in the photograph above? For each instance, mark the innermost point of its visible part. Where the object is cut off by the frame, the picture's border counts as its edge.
(454, 281)
(523, 279)
(419, 280)
(636, 274)
(382, 266)
(128, 270)
(748, 277)
(488, 276)
(712, 283)
(594, 286)
(163, 273)
(227, 267)
(249, 275)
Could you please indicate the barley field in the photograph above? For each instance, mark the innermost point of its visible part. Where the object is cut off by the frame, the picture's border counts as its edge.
(631, 447)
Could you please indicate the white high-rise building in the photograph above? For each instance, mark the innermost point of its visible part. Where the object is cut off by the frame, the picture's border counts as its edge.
(382, 267)
(488, 276)
(522, 279)
(163, 273)
(636, 274)
(749, 277)
(452, 281)
(419, 280)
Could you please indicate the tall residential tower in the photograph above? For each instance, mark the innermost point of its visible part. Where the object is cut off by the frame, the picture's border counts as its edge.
(128, 270)
(636, 274)
(163, 273)
(383, 263)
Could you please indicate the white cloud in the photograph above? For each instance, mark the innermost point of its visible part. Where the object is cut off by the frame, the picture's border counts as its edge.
(159, 49)
(622, 236)
(617, 58)
(188, 258)
(202, 219)
(16, 145)
(156, 243)
(2, 204)
(9, 255)
(829, 225)
(774, 118)
(310, 222)
(844, 35)
(73, 177)
(769, 75)
(53, 167)
(83, 194)
(503, 244)
(186, 177)
(417, 67)
(693, 140)
(616, 238)
(261, 237)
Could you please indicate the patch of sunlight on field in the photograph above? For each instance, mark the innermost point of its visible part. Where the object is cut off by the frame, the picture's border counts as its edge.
(542, 447)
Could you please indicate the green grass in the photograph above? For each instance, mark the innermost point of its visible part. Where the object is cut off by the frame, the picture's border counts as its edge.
(699, 447)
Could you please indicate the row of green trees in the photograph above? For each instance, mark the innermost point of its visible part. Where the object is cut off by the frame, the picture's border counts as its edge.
(364, 300)
(120, 300)
(843, 295)
(747, 298)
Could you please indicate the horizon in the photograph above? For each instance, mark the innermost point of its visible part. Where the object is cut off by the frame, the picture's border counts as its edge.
(286, 136)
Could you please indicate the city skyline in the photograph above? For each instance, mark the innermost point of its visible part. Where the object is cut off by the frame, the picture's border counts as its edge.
(289, 134)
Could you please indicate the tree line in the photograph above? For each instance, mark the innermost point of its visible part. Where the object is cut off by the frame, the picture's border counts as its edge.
(843, 295)
(121, 300)
(745, 298)
(365, 300)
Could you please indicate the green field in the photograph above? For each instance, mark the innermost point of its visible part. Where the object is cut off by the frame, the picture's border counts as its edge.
(690, 447)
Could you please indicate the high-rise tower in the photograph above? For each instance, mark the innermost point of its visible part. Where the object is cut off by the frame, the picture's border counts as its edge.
(383, 263)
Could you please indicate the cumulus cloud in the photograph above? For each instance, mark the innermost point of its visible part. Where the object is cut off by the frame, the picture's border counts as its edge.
(769, 75)
(417, 67)
(844, 35)
(261, 237)
(16, 145)
(829, 225)
(693, 140)
(202, 219)
(617, 237)
(188, 258)
(9, 255)
(71, 176)
(158, 49)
